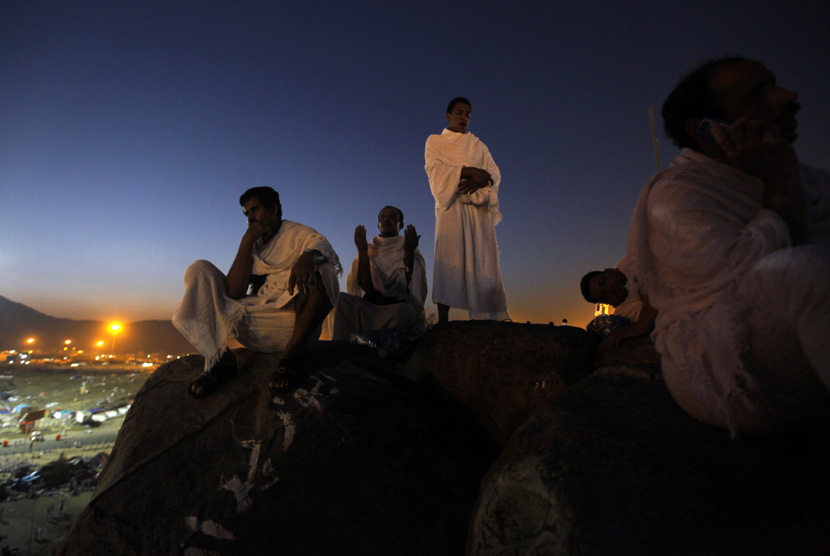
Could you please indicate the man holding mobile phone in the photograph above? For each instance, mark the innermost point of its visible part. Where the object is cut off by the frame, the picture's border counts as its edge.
(732, 245)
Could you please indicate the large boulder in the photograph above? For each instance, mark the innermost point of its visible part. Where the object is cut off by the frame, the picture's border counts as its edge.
(503, 371)
(614, 466)
(355, 461)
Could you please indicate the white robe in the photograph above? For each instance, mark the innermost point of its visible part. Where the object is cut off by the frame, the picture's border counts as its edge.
(630, 308)
(743, 318)
(632, 305)
(466, 269)
(388, 272)
(208, 317)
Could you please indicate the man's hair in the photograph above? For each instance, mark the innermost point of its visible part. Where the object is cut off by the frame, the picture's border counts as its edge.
(693, 97)
(455, 101)
(266, 196)
(584, 283)
(400, 213)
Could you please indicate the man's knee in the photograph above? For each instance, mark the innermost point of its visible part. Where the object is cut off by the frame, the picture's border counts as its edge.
(790, 278)
(200, 268)
(316, 299)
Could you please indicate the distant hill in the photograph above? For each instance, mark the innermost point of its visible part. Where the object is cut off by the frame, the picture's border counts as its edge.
(19, 322)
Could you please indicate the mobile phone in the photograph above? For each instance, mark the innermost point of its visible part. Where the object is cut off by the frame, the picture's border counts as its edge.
(704, 130)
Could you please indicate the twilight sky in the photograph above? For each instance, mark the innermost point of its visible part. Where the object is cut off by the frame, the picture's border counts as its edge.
(128, 130)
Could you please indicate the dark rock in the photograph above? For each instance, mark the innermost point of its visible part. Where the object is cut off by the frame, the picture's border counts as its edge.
(503, 371)
(614, 467)
(356, 461)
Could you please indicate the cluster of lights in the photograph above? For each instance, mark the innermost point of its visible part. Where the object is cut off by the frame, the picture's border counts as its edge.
(24, 357)
(114, 328)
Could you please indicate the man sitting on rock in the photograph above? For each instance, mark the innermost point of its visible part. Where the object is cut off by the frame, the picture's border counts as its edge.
(730, 242)
(387, 282)
(634, 312)
(279, 289)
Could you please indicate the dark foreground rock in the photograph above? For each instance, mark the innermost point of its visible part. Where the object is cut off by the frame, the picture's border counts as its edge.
(615, 467)
(503, 371)
(356, 461)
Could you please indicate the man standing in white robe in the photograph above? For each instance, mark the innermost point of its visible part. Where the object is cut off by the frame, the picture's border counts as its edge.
(279, 289)
(464, 180)
(730, 243)
(387, 283)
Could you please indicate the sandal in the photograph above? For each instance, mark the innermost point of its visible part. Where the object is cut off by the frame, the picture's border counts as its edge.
(210, 380)
(287, 377)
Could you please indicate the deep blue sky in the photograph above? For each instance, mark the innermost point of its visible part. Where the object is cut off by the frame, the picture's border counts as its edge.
(128, 130)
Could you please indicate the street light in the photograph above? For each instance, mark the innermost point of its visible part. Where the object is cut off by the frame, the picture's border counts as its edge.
(115, 328)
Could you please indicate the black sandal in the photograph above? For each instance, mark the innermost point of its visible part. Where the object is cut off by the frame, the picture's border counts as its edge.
(287, 371)
(210, 380)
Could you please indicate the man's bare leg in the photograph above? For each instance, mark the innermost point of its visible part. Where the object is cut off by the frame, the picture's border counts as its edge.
(310, 310)
(443, 313)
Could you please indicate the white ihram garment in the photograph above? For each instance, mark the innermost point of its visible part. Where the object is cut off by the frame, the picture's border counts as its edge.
(354, 314)
(632, 305)
(466, 270)
(263, 322)
(743, 317)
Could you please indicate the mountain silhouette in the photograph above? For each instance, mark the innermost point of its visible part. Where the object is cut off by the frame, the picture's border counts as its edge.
(19, 322)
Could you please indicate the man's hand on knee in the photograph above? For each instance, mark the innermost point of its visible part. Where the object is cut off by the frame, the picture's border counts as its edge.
(303, 273)
(315, 295)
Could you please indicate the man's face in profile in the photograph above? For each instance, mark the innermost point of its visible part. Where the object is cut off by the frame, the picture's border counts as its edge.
(459, 118)
(608, 287)
(748, 90)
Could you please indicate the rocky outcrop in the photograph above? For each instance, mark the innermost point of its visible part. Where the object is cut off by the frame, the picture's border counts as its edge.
(387, 457)
(504, 372)
(355, 461)
(614, 466)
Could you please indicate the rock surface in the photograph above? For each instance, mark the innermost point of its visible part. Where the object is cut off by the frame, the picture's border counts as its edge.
(356, 461)
(504, 372)
(614, 467)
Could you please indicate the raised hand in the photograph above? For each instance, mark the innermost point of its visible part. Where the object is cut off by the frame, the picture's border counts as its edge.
(757, 148)
(411, 239)
(360, 239)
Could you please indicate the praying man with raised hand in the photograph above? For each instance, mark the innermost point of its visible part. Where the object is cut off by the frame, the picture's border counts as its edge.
(387, 283)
